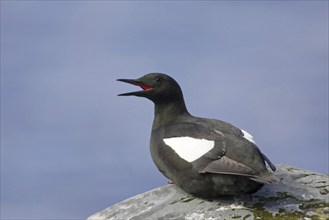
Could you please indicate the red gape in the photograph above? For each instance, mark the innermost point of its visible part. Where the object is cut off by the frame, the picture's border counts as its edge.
(145, 87)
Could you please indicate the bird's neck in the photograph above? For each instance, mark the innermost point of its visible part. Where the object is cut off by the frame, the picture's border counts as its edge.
(167, 112)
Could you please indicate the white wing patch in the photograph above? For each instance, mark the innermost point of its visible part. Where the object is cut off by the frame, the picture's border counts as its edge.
(189, 149)
(248, 136)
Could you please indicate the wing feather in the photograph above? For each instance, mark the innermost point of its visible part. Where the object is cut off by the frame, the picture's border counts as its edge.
(225, 165)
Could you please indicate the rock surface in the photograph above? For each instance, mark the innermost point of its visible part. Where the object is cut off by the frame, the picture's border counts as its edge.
(301, 194)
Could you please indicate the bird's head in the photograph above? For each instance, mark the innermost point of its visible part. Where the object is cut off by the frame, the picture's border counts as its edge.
(157, 87)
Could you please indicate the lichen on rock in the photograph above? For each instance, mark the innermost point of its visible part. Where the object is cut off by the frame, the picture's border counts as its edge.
(301, 194)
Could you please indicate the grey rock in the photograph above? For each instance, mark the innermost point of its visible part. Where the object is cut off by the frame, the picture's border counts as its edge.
(301, 194)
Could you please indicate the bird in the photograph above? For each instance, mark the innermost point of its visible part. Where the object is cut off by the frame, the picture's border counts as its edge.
(207, 158)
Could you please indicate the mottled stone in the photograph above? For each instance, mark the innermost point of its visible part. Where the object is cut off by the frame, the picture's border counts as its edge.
(301, 194)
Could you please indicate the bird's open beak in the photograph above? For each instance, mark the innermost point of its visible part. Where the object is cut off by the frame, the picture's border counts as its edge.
(136, 83)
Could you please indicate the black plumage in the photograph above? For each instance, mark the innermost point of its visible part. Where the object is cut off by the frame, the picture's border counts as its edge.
(234, 165)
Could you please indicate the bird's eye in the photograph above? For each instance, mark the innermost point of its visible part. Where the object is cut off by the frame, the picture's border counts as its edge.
(157, 79)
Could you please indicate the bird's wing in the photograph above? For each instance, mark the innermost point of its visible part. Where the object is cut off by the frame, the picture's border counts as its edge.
(198, 132)
(214, 160)
(225, 165)
(243, 133)
(271, 165)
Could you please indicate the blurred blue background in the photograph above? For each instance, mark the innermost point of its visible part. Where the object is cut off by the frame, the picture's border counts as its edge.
(70, 147)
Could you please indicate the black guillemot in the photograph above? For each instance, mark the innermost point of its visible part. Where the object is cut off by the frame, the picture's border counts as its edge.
(205, 157)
